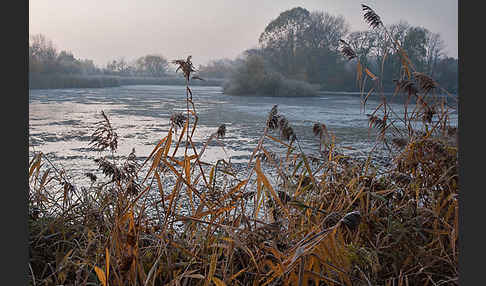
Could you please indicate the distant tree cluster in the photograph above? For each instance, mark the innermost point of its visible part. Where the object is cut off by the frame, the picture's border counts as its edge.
(45, 59)
(148, 66)
(302, 45)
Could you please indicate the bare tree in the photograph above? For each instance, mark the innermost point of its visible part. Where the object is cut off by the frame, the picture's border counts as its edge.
(152, 65)
(42, 54)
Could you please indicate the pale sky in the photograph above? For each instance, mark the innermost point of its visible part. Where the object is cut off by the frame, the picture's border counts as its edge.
(103, 30)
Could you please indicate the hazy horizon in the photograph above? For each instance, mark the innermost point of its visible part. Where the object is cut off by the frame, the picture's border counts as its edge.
(103, 31)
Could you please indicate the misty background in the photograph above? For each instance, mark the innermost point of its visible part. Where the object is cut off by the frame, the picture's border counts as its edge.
(106, 30)
(140, 38)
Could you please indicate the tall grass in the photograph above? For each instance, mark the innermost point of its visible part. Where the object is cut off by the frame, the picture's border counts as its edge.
(289, 218)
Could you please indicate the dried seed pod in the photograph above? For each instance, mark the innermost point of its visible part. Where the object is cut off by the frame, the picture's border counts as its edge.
(371, 17)
(279, 121)
(426, 83)
(109, 169)
(320, 129)
(347, 51)
(376, 122)
(104, 136)
(273, 119)
(186, 66)
(132, 187)
(178, 119)
(407, 86)
(221, 131)
(428, 114)
(264, 158)
(91, 176)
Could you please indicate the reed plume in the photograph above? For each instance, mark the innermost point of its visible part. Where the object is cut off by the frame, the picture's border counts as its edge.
(104, 136)
(371, 17)
(347, 51)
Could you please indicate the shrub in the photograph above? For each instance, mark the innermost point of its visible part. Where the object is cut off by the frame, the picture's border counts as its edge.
(253, 77)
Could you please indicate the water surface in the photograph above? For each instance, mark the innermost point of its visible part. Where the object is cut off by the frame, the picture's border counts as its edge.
(61, 121)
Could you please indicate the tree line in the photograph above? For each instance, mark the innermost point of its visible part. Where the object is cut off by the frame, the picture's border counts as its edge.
(44, 58)
(50, 68)
(305, 46)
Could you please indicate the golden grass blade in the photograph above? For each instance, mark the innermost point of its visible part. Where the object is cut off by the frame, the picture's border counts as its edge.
(101, 275)
(234, 276)
(44, 180)
(212, 267)
(319, 277)
(358, 195)
(196, 276)
(278, 141)
(35, 165)
(234, 190)
(308, 168)
(405, 66)
(65, 258)
(222, 210)
(184, 129)
(173, 195)
(107, 257)
(269, 187)
(188, 184)
(159, 185)
(258, 197)
(168, 143)
(269, 280)
(155, 163)
(192, 157)
(370, 74)
(217, 281)
(367, 95)
(187, 168)
(155, 149)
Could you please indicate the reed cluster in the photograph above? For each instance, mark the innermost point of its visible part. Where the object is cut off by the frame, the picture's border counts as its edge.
(289, 218)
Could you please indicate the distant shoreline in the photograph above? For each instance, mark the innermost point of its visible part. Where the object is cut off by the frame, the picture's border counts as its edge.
(56, 81)
(365, 93)
(60, 81)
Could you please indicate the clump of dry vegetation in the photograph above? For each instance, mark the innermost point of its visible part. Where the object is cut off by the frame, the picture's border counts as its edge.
(331, 220)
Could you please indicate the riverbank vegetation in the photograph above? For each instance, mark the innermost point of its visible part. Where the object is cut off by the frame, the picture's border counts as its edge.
(289, 218)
